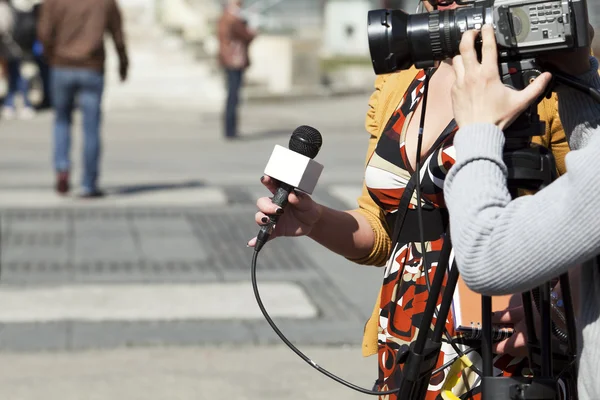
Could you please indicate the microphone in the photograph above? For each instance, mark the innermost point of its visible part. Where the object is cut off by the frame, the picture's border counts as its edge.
(294, 168)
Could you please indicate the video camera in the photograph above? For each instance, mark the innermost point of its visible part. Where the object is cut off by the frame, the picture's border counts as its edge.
(524, 29)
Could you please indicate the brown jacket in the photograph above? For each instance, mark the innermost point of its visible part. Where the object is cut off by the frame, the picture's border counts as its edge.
(234, 40)
(72, 32)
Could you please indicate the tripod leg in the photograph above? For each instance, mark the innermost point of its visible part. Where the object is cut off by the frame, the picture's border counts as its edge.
(532, 340)
(486, 338)
(446, 303)
(436, 288)
(546, 331)
(423, 354)
(565, 287)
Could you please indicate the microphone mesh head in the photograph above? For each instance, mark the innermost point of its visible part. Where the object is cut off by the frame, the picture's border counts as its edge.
(306, 140)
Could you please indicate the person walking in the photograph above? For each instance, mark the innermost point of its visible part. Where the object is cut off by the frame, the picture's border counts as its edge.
(234, 39)
(72, 35)
(20, 42)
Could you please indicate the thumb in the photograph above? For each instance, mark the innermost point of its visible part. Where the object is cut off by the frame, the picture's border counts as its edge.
(535, 89)
(516, 345)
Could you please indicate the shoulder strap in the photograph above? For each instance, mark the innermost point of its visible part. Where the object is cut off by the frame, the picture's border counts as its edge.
(445, 133)
(411, 186)
(403, 207)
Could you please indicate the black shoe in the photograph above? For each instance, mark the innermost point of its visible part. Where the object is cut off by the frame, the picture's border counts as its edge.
(92, 195)
(62, 182)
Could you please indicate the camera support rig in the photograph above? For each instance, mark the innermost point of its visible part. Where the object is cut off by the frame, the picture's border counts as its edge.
(530, 167)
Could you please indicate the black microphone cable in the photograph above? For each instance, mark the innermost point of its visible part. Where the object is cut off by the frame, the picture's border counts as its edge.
(313, 364)
(295, 349)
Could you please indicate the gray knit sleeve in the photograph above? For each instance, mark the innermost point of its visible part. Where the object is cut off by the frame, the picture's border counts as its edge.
(503, 246)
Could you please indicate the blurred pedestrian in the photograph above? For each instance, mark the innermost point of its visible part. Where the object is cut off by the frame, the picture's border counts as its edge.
(6, 44)
(72, 35)
(23, 35)
(44, 75)
(234, 39)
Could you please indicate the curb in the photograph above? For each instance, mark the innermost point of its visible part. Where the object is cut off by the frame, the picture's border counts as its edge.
(256, 95)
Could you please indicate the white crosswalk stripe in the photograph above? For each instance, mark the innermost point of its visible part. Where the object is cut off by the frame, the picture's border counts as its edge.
(46, 198)
(166, 302)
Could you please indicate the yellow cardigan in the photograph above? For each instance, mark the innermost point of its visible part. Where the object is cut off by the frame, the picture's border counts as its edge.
(389, 90)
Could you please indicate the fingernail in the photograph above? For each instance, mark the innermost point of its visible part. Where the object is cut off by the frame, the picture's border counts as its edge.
(262, 178)
(279, 211)
(264, 220)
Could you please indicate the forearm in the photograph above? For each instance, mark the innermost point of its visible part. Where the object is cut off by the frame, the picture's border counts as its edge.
(44, 29)
(116, 30)
(506, 246)
(347, 233)
(121, 48)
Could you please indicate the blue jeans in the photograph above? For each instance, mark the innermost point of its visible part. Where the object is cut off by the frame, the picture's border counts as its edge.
(234, 83)
(16, 84)
(85, 86)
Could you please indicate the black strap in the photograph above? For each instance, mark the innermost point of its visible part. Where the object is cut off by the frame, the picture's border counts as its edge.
(449, 129)
(411, 186)
(403, 207)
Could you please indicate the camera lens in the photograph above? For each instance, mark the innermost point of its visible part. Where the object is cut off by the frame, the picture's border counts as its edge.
(398, 40)
(388, 40)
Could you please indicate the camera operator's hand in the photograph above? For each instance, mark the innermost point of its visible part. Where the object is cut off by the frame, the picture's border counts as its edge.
(299, 218)
(516, 344)
(574, 63)
(478, 95)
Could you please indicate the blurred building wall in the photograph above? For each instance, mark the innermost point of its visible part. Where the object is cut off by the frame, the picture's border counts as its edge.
(345, 28)
(285, 16)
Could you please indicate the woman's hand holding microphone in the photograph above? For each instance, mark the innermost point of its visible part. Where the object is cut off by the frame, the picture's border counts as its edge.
(301, 214)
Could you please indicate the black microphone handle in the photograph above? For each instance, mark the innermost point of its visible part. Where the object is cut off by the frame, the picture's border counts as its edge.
(281, 199)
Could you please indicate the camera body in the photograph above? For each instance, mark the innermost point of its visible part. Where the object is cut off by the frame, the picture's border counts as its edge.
(524, 29)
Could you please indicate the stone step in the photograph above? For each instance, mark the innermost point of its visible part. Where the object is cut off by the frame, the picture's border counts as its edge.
(163, 74)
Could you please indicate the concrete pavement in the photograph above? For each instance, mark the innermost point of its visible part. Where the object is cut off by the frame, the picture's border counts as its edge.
(179, 212)
(240, 372)
(182, 149)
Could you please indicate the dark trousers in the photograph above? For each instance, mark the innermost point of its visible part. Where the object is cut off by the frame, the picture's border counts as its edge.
(234, 83)
(45, 77)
